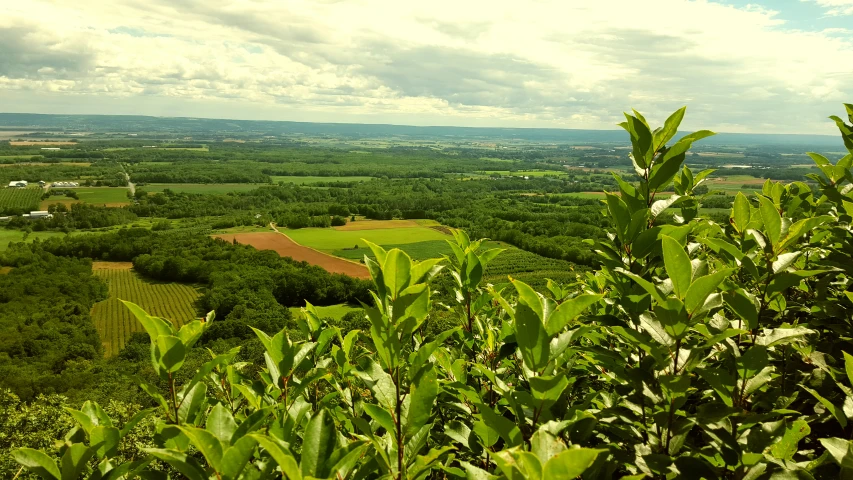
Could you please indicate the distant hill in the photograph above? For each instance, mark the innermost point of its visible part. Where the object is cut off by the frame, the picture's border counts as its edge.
(196, 126)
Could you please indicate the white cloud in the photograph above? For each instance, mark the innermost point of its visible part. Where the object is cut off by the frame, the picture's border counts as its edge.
(553, 63)
(836, 7)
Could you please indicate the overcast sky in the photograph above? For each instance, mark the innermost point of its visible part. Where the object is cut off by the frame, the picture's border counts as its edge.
(769, 66)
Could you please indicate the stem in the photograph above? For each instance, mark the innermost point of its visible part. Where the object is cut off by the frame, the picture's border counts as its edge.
(398, 407)
(672, 400)
(174, 398)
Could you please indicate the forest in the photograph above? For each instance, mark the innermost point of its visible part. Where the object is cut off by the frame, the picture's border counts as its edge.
(701, 330)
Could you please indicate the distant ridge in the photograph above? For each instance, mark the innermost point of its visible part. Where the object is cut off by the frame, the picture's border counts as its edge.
(199, 126)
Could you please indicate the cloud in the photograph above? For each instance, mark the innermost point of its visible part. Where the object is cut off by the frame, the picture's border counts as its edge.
(549, 63)
(836, 7)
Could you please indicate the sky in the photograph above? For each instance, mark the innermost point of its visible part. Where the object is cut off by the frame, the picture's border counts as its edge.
(768, 66)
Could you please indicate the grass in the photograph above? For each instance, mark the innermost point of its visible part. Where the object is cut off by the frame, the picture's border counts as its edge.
(330, 240)
(308, 180)
(591, 195)
(204, 188)
(14, 236)
(333, 311)
(102, 195)
(115, 323)
(417, 250)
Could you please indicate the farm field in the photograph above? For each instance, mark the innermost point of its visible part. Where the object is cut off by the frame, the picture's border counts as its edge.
(14, 236)
(524, 173)
(591, 195)
(308, 180)
(115, 323)
(332, 311)
(286, 247)
(22, 143)
(417, 250)
(20, 198)
(330, 240)
(209, 188)
(102, 196)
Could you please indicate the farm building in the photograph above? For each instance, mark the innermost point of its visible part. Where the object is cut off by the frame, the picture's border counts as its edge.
(38, 214)
(18, 184)
(50, 148)
(65, 184)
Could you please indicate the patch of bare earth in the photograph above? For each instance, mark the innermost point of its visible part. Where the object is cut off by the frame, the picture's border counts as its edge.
(286, 247)
(112, 265)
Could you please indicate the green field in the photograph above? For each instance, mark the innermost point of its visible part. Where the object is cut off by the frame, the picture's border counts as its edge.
(333, 311)
(14, 198)
(12, 236)
(101, 195)
(204, 188)
(115, 323)
(311, 180)
(590, 195)
(417, 250)
(330, 240)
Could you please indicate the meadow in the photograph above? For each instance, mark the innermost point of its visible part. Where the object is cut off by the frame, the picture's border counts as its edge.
(115, 323)
(331, 240)
(14, 236)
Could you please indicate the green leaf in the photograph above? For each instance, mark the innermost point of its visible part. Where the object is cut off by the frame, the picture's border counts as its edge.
(787, 446)
(771, 218)
(505, 427)
(660, 205)
(181, 462)
(848, 366)
(74, 460)
(221, 424)
(517, 464)
(317, 445)
(722, 383)
(836, 412)
(740, 212)
(619, 213)
(170, 353)
(744, 305)
(191, 332)
(568, 311)
(670, 128)
(533, 339)
(678, 265)
(38, 463)
(281, 455)
(841, 451)
(650, 288)
(422, 393)
(237, 457)
(641, 139)
(106, 439)
(571, 463)
(207, 444)
(548, 388)
(382, 417)
(396, 271)
(155, 326)
(702, 287)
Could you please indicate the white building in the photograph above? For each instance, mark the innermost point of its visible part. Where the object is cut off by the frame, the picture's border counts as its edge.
(18, 183)
(51, 148)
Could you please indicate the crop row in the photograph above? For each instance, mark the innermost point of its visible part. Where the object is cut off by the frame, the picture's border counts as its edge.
(115, 324)
(19, 198)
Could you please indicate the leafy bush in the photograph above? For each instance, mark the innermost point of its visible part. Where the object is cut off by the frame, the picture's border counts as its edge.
(696, 350)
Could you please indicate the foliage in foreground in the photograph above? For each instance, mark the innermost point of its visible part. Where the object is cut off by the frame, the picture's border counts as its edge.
(697, 350)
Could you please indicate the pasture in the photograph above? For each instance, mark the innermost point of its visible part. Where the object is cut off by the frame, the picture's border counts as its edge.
(330, 240)
(19, 198)
(115, 323)
(308, 180)
(100, 196)
(203, 188)
(417, 250)
(14, 236)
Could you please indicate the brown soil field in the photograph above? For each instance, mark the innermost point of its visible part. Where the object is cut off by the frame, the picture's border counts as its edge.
(442, 229)
(286, 247)
(40, 144)
(112, 265)
(377, 225)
